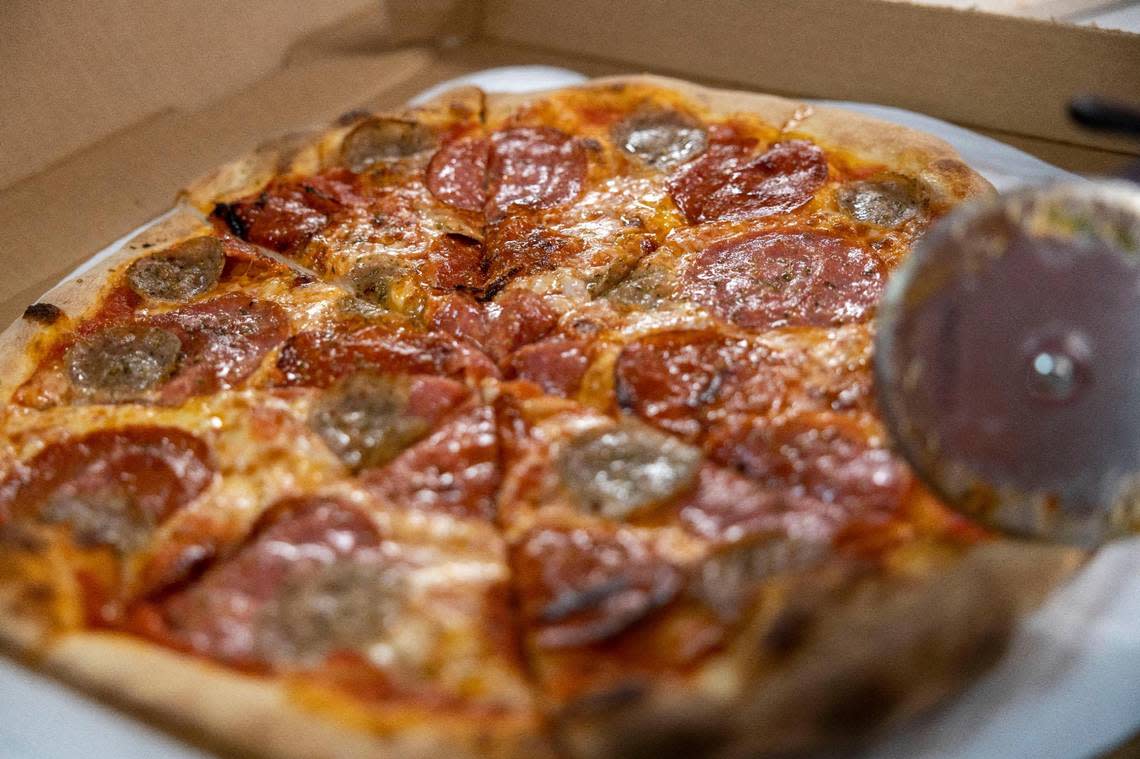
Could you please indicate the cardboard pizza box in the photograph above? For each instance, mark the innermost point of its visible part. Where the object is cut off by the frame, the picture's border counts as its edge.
(104, 119)
(109, 108)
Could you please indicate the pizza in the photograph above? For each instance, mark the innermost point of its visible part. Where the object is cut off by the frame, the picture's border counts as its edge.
(502, 426)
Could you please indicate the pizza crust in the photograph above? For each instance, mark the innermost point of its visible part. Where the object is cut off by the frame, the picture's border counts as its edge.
(250, 716)
(837, 657)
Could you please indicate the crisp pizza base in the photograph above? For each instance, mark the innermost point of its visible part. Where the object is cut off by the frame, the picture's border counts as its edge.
(948, 622)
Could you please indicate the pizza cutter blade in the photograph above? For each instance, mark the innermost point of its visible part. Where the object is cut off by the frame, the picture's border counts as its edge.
(1007, 361)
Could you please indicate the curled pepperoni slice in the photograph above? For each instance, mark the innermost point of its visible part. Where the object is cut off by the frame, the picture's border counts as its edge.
(457, 173)
(776, 279)
(726, 183)
(518, 318)
(823, 457)
(582, 587)
(455, 470)
(223, 342)
(534, 167)
(681, 381)
(456, 263)
(111, 487)
(461, 316)
(309, 582)
(557, 365)
(289, 211)
(320, 358)
(725, 506)
(518, 246)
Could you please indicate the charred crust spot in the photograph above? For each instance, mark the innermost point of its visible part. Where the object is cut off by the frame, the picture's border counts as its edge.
(348, 118)
(43, 313)
(789, 631)
(20, 537)
(601, 702)
(856, 708)
(679, 738)
(228, 215)
(570, 603)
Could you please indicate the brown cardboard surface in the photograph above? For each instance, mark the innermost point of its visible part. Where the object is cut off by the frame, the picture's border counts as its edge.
(977, 69)
(58, 216)
(74, 74)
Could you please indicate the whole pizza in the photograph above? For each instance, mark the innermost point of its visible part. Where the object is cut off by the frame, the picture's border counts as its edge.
(503, 426)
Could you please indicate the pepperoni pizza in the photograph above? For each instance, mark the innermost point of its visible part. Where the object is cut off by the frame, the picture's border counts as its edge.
(503, 426)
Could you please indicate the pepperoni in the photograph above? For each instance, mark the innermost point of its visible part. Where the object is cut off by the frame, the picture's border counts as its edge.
(681, 380)
(726, 183)
(519, 318)
(775, 279)
(320, 358)
(535, 167)
(824, 457)
(289, 211)
(223, 342)
(455, 470)
(518, 246)
(460, 315)
(725, 506)
(310, 581)
(457, 173)
(582, 587)
(368, 419)
(456, 263)
(111, 487)
(557, 365)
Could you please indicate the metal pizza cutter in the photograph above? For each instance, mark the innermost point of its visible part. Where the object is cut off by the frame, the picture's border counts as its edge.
(1007, 361)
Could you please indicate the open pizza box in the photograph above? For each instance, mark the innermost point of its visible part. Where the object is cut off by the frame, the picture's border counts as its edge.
(103, 123)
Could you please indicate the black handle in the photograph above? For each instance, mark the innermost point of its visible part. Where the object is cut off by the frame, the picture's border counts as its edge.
(1105, 115)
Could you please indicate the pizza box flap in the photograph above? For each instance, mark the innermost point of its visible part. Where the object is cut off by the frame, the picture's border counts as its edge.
(105, 123)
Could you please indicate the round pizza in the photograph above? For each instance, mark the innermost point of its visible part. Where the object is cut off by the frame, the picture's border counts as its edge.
(503, 426)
